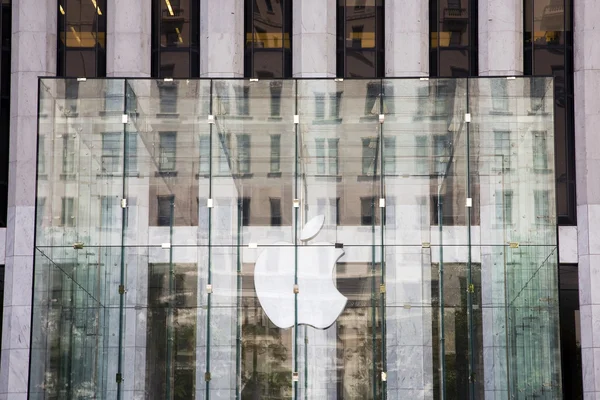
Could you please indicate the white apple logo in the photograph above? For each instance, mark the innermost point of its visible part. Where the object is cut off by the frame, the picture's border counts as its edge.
(319, 301)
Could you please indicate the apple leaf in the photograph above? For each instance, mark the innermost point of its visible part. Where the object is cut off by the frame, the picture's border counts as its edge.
(312, 228)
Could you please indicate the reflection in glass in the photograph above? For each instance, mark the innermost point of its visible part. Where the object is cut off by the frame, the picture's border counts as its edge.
(164, 280)
(268, 44)
(453, 34)
(548, 50)
(360, 39)
(81, 38)
(175, 38)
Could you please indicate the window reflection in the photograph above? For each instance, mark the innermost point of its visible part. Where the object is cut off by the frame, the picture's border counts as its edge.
(175, 38)
(268, 46)
(81, 38)
(360, 39)
(548, 50)
(453, 38)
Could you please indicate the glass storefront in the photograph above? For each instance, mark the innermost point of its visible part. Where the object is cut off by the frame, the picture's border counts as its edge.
(295, 239)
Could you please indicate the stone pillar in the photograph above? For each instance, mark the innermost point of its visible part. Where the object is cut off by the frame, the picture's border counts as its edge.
(500, 37)
(128, 38)
(221, 39)
(314, 38)
(33, 55)
(406, 38)
(587, 150)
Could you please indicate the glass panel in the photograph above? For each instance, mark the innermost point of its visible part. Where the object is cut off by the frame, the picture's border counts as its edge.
(217, 246)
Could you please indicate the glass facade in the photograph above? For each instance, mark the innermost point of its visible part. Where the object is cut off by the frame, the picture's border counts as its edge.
(356, 239)
(81, 38)
(268, 42)
(453, 38)
(175, 38)
(360, 39)
(548, 46)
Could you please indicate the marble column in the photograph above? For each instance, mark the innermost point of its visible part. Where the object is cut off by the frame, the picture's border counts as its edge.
(314, 38)
(500, 37)
(33, 55)
(221, 38)
(406, 38)
(128, 38)
(587, 152)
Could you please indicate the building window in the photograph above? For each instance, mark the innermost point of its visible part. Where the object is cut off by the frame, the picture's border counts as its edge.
(167, 151)
(67, 212)
(421, 153)
(275, 88)
(499, 89)
(389, 155)
(367, 210)
(242, 97)
(245, 211)
(165, 208)
(111, 152)
(167, 94)
(360, 39)
(68, 159)
(131, 139)
(275, 153)
(502, 149)
(243, 150)
(108, 212)
(540, 152)
(548, 51)
(542, 206)
(204, 165)
(275, 205)
(81, 38)
(327, 156)
(175, 38)
(224, 153)
(268, 44)
(369, 155)
(504, 207)
(453, 38)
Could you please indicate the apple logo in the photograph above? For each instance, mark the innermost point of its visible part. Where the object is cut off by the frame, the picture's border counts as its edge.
(319, 301)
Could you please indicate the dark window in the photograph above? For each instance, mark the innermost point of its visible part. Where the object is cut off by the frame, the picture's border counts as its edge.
(268, 44)
(81, 38)
(111, 152)
(165, 208)
(327, 156)
(5, 55)
(548, 50)
(275, 153)
(167, 93)
(245, 211)
(67, 212)
(275, 211)
(367, 210)
(369, 155)
(243, 150)
(176, 38)
(167, 151)
(360, 39)
(453, 38)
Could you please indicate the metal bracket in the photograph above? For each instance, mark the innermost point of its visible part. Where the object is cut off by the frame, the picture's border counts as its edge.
(121, 289)
(296, 289)
(382, 288)
(78, 245)
(467, 117)
(119, 377)
(123, 203)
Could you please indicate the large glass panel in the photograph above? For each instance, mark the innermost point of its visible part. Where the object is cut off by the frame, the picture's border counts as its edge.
(287, 239)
